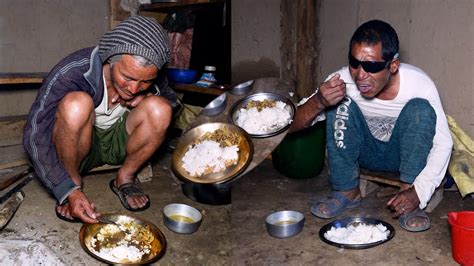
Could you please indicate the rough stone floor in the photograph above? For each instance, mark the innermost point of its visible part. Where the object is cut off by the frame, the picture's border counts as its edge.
(233, 234)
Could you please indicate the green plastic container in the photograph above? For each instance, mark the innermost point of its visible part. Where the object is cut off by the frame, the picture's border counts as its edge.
(301, 154)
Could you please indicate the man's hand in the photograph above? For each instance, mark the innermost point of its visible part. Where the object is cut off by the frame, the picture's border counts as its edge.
(132, 102)
(403, 202)
(80, 207)
(332, 91)
(135, 101)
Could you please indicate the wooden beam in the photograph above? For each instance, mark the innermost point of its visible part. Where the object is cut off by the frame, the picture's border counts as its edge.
(306, 57)
(197, 89)
(299, 25)
(381, 180)
(22, 78)
(13, 164)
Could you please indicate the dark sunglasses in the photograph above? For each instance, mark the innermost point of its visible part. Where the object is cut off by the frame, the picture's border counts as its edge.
(368, 66)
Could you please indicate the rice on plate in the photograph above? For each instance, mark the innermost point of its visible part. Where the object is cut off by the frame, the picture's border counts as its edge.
(127, 243)
(262, 117)
(212, 153)
(358, 234)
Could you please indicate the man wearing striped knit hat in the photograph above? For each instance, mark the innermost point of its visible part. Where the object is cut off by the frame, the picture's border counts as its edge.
(108, 104)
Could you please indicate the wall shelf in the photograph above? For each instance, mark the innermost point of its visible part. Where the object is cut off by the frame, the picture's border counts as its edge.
(173, 6)
(22, 78)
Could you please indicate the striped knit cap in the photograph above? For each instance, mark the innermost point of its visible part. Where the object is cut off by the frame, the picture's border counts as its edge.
(137, 35)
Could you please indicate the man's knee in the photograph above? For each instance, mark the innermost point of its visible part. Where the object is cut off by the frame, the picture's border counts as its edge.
(75, 108)
(420, 111)
(158, 110)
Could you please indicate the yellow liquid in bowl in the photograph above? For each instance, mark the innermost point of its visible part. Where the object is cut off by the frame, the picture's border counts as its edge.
(181, 218)
(285, 222)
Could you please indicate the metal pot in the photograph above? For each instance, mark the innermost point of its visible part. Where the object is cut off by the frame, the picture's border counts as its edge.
(211, 194)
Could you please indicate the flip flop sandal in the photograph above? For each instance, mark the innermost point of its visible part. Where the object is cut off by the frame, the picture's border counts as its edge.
(126, 190)
(403, 220)
(336, 203)
(64, 218)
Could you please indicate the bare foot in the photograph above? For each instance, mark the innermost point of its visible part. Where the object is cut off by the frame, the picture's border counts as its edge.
(417, 221)
(135, 202)
(64, 211)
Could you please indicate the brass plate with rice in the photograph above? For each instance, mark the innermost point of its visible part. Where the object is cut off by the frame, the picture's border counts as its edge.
(194, 135)
(138, 235)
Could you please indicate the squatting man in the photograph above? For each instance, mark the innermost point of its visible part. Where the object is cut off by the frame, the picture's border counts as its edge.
(108, 104)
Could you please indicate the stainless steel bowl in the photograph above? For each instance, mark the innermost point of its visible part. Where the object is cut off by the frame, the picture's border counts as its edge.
(284, 224)
(89, 231)
(355, 221)
(182, 218)
(242, 88)
(242, 103)
(190, 137)
(216, 106)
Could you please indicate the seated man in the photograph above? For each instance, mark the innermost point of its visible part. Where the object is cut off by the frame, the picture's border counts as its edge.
(381, 115)
(102, 105)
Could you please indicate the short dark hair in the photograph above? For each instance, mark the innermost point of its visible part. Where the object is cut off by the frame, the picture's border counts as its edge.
(375, 31)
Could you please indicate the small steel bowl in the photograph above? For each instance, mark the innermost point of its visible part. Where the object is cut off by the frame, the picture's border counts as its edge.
(242, 88)
(182, 218)
(284, 224)
(216, 106)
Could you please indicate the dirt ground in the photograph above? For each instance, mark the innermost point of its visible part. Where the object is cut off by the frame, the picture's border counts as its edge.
(233, 234)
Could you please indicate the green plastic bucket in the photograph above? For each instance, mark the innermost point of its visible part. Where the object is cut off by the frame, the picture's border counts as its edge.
(301, 154)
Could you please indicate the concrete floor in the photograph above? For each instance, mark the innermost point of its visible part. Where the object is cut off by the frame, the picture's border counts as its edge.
(233, 234)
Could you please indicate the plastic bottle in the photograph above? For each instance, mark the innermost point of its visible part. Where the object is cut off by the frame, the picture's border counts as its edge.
(208, 78)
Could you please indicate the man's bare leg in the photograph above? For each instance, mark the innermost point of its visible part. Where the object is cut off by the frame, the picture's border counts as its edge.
(72, 135)
(146, 125)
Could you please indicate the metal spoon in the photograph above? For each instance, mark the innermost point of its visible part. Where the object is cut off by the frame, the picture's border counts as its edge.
(105, 220)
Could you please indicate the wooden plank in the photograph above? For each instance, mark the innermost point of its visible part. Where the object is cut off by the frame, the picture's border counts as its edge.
(21, 78)
(172, 6)
(306, 54)
(366, 187)
(19, 184)
(8, 208)
(197, 89)
(435, 199)
(299, 55)
(381, 180)
(11, 178)
(14, 163)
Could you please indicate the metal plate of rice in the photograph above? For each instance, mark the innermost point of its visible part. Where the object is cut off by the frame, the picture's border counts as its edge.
(355, 221)
(142, 240)
(260, 97)
(189, 139)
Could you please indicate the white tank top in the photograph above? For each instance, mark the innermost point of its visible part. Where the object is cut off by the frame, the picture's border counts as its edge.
(105, 117)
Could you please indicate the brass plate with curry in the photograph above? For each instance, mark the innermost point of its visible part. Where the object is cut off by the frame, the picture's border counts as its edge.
(134, 241)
